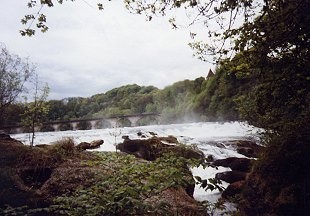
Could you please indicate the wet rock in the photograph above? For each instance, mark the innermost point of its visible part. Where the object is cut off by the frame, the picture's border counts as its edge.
(238, 164)
(153, 133)
(249, 152)
(92, 145)
(247, 148)
(231, 176)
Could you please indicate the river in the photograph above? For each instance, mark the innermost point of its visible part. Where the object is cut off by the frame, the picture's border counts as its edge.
(202, 134)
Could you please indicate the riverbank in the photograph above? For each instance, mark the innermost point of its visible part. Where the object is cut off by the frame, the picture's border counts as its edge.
(59, 179)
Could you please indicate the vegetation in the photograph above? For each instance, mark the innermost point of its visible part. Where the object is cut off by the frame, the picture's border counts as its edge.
(130, 191)
(60, 180)
(14, 72)
(201, 99)
(35, 112)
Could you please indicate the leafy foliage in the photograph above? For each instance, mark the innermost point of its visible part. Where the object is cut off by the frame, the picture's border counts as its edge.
(14, 72)
(35, 112)
(129, 191)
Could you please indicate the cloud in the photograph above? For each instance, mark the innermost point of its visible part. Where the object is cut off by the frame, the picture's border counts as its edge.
(87, 51)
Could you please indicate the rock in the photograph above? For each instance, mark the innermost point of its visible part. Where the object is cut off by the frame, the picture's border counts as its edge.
(4, 136)
(6, 139)
(169, 139)
(233, 189)
(92, 145)
(247, 148)
(152, 148)
(135, 147)
(125, 137)
(210, 158)
(152, 133)
(238, 164)
(83, 146)
(179, 203)
(44, 146)
(231, 176)
(96, 144)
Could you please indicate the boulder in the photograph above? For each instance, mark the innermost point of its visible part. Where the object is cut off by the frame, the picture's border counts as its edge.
(169, 139)
(238, 164)
(231, 176)
(152, 148)
(179, 203)
(247, 148)
(96, 144)
(83, 146)
(92, 145)
(233, 189)
(153, 133)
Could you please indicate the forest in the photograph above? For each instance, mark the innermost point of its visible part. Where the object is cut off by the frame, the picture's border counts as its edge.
(203, 99)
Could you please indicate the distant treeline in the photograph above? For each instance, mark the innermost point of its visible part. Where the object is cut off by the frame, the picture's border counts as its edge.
(203, 99)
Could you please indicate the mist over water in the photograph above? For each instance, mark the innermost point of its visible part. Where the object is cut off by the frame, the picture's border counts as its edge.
(203, 134)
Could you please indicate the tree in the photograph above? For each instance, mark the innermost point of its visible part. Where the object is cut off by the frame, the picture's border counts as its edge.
(38, 18)
(273, 42)
(14, 72)
(36, 111)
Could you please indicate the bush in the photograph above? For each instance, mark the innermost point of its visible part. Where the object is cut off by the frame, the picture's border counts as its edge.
(64, 147)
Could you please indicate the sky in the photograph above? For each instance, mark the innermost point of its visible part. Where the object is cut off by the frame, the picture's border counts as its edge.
(87, 51)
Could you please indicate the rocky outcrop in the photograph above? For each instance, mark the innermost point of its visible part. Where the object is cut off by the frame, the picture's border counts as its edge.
(178, 201)
(92, 145)
(5, 138)
(233, 189)
(238, 164)
(240, 170)
(152, 148)
(247, 148)
(231, 176)
(35, 176)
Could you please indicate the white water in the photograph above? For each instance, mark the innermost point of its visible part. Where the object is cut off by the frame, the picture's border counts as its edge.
(202, 134)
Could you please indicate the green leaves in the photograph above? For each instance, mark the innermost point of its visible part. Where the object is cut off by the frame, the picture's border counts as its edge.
(209, 184)
(127, 190)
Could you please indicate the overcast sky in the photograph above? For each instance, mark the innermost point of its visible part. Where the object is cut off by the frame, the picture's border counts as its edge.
(87, 51)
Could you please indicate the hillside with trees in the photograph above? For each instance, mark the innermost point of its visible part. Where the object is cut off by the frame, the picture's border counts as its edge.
(201, 99)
